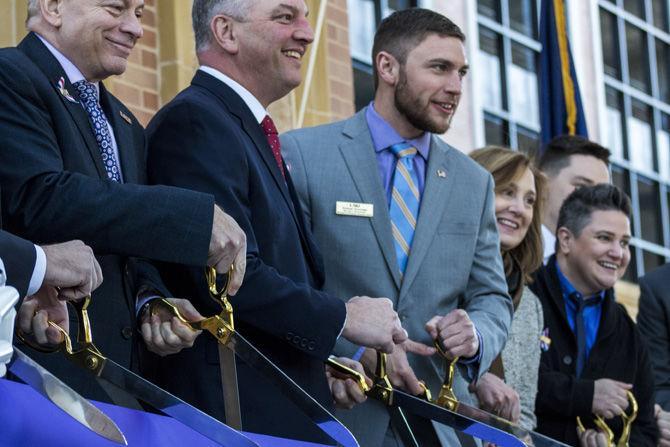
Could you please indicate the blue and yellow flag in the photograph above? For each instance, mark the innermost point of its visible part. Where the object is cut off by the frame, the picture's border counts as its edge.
(561, 109)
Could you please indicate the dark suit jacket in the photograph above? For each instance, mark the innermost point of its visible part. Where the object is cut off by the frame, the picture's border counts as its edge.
(618, 354)
(207, 139)
(18, 255)
(54, 189)
(653, 320)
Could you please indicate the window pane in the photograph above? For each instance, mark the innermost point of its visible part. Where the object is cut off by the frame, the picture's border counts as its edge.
(614, 135)
(663, 70)
(635, 7)
(528, 141)
(361, 29)
(364, 90)
(398, 5)
(495, 130)
(638, 63)
(522, 16)
(663, 145)
(621, 179)
(652, 260)
(660, 9)
(489, 8)
(490, 49)
(631, 271)
(640, 150)
(650, 210)
(610, 42)
(524, 103)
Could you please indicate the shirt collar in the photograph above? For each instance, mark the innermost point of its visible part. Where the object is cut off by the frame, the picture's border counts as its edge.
(384, 135)
(250, 100)
(71, 71)
(567, 289)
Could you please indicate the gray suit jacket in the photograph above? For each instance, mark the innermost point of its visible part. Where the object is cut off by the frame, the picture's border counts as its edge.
(653, 320)
(455, 256)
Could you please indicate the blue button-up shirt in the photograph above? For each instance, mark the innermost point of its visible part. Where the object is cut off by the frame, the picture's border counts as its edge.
(591, 314)
(383, 137)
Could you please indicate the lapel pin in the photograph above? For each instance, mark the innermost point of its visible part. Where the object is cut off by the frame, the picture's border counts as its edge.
(441, 173)
(63, 91)
(125, 117)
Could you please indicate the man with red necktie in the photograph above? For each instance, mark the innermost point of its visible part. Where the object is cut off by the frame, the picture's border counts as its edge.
(216, 137)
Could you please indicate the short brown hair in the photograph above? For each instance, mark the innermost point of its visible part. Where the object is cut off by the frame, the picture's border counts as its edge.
(557, 153)
(404, 30)
(507, 165)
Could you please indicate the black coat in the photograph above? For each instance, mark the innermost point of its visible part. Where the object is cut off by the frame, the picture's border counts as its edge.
(617, 354)
(55, 189)
(18, 256)
(208, 140)
(653, 320)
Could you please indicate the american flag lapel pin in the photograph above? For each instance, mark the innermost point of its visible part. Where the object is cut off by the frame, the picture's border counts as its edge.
(63, 91)
(125, 117)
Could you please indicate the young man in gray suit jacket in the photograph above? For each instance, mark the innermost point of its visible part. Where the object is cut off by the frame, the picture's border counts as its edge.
(399, 213)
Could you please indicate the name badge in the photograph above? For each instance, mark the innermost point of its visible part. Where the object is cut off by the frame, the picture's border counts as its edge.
(354, 209)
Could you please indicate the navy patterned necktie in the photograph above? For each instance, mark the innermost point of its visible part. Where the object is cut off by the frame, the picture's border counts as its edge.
(89, 99)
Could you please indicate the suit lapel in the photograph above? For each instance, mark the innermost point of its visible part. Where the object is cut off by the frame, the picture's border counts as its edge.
(237, 107)
(434, 202)
(41, 56)
(359, 155)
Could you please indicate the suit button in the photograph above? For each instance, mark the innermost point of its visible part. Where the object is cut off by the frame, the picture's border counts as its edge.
(296, 340)
(289, 336)
(127, 332)
(567, 360)
(303, 343)
(311, 345)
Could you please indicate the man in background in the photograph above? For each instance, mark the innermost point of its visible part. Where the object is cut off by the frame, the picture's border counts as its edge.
(569, 162)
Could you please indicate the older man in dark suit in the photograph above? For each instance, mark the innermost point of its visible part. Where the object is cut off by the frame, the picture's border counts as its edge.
(72, 165)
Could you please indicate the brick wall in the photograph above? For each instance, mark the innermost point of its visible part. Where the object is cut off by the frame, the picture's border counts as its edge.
(138, 87)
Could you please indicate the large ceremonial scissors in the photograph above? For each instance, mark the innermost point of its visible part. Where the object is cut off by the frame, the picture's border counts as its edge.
(222, 327)
(627, 419)
(130, 386)
(447, 409)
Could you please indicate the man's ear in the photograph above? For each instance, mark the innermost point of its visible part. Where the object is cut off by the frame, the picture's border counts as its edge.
(564, 237)
(388, 68)
(51, 11)
(224, 32)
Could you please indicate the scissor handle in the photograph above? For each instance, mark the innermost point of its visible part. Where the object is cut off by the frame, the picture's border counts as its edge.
(627, 419)
(344, 369)
(216, 293)
(447, 398)
(84, 335)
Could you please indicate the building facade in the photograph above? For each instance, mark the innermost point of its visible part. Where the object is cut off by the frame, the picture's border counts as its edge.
(621, 50)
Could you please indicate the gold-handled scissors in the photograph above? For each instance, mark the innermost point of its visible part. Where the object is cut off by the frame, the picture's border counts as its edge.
(85, 354)
(446, 397)
(627, 419)
(221, 326)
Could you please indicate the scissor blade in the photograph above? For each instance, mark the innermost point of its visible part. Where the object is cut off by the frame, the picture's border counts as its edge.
(462, 423)
(474, 422)
(171, 405)
(321, 417)
(231, 393)
(531, 438)
(64, 397)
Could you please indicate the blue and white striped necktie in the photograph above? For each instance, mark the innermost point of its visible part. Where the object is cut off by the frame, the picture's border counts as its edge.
(405, 201)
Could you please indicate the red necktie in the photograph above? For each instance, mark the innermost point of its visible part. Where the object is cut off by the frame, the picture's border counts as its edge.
(273, 140)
